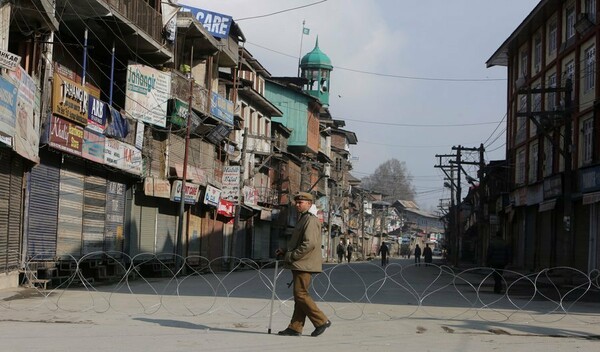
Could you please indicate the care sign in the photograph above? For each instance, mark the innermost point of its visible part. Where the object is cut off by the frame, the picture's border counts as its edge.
(215, 23)
(9, 60)
(191, 192)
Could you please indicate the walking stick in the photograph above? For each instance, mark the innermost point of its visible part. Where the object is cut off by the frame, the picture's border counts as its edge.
(273, 294)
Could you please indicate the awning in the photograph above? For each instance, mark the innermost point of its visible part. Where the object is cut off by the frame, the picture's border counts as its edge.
(590, 198)
(547, 205)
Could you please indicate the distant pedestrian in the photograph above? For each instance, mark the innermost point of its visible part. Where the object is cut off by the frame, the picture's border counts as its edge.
(341, 250)
(384, 250)
(417, 255)
(498, 254)
(427, 254)
(349, 252)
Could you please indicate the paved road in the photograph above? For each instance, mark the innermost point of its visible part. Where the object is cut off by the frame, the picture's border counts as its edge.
(372, 309)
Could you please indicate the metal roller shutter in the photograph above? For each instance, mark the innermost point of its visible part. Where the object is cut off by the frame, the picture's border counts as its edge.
(43, 208)
(70, 210)
(94, 206)
(15, 213)
(261, 240)
(115, 217)
(4, 202)
(148, 211)
(166, 228)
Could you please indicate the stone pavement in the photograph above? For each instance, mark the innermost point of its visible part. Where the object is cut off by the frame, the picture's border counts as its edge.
(80, 320)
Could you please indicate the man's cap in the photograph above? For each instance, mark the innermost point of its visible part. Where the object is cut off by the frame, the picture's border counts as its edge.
(304, 196)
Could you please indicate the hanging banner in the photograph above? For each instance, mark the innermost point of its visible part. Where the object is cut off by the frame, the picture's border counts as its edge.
(147, 94)
(221, 108)
(117, 126)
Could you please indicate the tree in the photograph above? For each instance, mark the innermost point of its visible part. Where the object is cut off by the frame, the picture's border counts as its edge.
(392, 179)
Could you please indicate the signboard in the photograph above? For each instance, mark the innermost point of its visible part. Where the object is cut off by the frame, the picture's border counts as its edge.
(221, 108)
(27, 125)
(191, 192)
(147, 94)
(139, 135)
(178, 112)
(65, 135)
(226, 208)
(93, 146)
(250, 195)
(231, 183)
(8, 107)
(9, 60)
(122, 156)
(212, 196)
(155, 187)
(215, 23)
(97, 113)
(590, 179)
(70, 99)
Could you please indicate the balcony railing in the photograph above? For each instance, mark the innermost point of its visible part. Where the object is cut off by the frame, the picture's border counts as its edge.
(141, 14)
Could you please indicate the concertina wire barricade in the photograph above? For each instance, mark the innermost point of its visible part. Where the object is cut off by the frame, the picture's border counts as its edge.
(195, 285)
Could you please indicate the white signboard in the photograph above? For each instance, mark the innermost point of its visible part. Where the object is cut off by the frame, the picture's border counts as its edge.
(231, 183)
(191, 193)
(147, 92)
(122, 156)
(212, 195)
(9, 60)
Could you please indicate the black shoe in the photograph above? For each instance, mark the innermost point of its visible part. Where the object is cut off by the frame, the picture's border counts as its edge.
(321, 329)
(288, 332)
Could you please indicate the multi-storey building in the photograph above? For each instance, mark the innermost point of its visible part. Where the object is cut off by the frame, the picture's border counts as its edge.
(552, 134)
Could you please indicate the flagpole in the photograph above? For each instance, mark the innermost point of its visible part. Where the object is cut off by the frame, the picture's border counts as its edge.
(300, 53)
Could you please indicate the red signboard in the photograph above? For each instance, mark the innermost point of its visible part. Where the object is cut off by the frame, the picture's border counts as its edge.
(65, 136)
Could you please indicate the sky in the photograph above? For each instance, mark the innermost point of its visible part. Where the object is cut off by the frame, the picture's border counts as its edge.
(409, 76)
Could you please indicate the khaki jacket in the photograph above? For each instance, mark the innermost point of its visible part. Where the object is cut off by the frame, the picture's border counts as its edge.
(304, 248)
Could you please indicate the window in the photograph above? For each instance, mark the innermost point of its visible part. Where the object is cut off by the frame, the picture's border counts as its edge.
(589, 8)
(552, 38)
(548, 157)
(551, 96)
(537, 55)
(524, 59)
(586, 141)
(533, 162)
(589, 70)
(570, 16)
(520, 167)
(569, 70)
(521, 121)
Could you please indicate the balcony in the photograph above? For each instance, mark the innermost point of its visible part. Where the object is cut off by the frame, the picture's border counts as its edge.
(133, 23)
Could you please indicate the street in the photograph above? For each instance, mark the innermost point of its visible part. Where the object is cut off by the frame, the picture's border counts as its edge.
(371, 308)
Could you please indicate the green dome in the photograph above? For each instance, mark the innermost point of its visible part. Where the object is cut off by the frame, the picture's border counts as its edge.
(316, 58)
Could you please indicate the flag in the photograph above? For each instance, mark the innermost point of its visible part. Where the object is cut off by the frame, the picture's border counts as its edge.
(305, 30)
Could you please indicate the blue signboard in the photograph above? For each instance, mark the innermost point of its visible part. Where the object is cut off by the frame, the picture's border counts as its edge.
(8, 107)
(215, 23)
(221, 108)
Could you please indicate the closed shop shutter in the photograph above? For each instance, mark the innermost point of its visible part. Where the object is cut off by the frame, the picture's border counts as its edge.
(4, 198)
(115, 218)
(166, 228)
(194, 233)
(94, 213)
(70, 210)
(261, 242)
(148, 209)
(43, 208)
(15, 212)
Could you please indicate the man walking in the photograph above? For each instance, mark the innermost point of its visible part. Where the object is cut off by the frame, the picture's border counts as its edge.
(303, 257)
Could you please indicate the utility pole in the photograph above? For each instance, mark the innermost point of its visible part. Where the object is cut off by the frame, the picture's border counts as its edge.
(362, 222)
(238, 206)
(452, 241)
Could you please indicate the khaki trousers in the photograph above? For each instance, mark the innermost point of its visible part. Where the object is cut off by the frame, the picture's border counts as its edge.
(304, 306)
